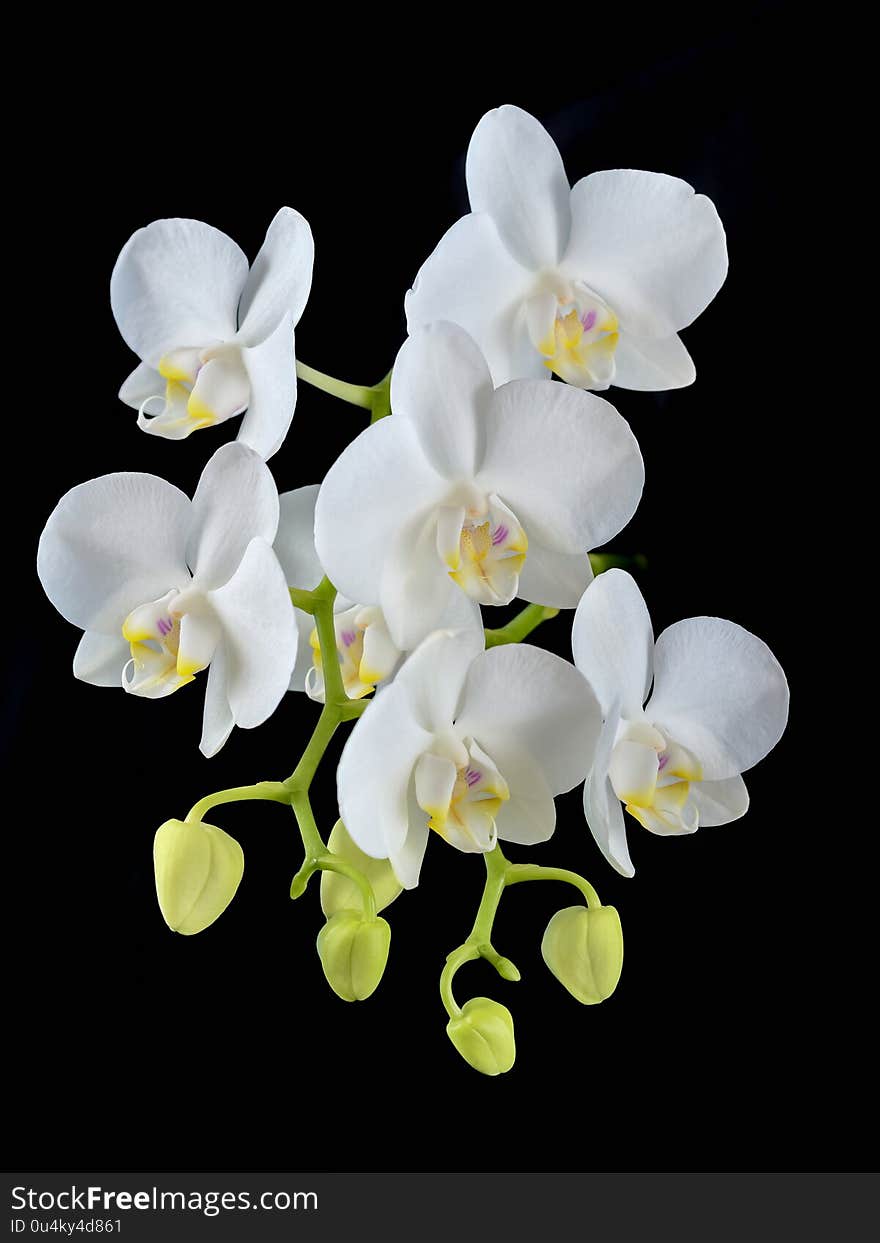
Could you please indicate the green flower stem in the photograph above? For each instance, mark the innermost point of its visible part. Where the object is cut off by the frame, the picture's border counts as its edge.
(300, 599)
(479, 943)
(381, 399)
(295, 789)
(520, 626)
(355, 394)
(601, 561)
(373, 397)
(499, 874)
(274, 791)
(337, 708)
(517, 872)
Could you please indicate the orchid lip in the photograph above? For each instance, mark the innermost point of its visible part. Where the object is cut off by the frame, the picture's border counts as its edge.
(483, 548)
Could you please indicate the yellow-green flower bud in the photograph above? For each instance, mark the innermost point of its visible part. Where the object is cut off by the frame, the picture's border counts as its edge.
(353, 953)
(483, 1035)
(584, 950)
(338, 893)
(198, 869)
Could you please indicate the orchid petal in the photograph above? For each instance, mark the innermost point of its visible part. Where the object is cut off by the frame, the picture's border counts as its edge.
(613, 642)
(112, 543)
(279, 282)
(271, 369)
(415, 587)
(433, 677)
(236, 500)
(515, 173)
(386, 470)
(442, 386)
(260, 634)
(217, 720)
(557, 579)
(374, 774)
(633, 772)
(529, 814)
(720, 692)
(564, 461)
(101, 658)
(472, 280)
(200, 633)
(295, 541)
(652, 364)
(602, 806)
(538, 703)
(221, 388)
(167, 414)
(720, 802)
(143, 384)
(406, 860)
(648, 245)
(176, 283)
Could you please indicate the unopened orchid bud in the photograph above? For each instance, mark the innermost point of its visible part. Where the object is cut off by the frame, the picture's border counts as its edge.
(353, 953)
(583, 947)
(198, 869)
(483, 1035)
(339, 893)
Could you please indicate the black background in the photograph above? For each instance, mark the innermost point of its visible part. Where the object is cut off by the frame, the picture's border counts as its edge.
(733, 1041)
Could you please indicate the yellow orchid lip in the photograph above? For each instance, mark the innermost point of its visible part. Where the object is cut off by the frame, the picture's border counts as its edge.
(490, 553)
(660, 800)
(170, 370)
(362, 644)
(471, 801)
(199, 412)
(153, 633)
(575, 332)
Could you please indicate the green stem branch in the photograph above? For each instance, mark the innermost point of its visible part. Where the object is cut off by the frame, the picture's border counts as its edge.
(295, 789)
(520, 626)
(499, 874)
(373, 397)
(355, 394)
(272, 791)
(517, 872)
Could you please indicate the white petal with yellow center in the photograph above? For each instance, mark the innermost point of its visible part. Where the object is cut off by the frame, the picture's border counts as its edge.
(153, 632)
(576, 332)
(461, 800)
(492, 550)
(204, 385)
(364, 648)
(651, 775)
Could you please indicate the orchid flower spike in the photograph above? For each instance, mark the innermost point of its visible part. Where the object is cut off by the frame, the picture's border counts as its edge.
(215, 338)
(473, 744)
(492, 493)
(719, 704)
(591, 284)
(366, 652)
(165, 587)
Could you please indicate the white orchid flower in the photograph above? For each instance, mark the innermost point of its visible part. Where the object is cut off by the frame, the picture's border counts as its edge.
(472, 744)
(719, 704)
(464, 488)
(215, 338)
(165, 587)
(367, 654)
(592, 284)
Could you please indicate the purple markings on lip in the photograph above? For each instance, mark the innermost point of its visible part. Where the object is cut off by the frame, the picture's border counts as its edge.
(663, 761)
(348, 637)
(589, 320)
(472, 777)
(165, 626)
(500, 535)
